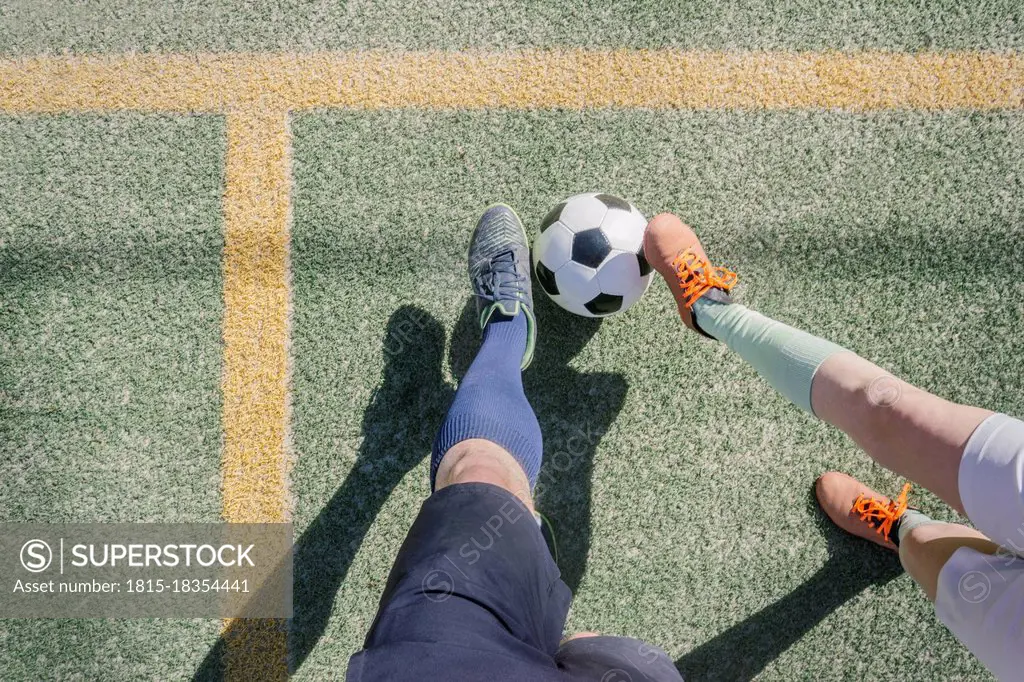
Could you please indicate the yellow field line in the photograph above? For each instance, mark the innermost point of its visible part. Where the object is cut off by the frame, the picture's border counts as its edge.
(256, 459)
(577, 78)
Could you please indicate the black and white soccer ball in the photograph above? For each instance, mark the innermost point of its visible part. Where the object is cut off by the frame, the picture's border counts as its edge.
(589, 255)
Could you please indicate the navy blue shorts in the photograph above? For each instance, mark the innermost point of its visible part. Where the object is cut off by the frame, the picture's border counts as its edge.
(475, 595)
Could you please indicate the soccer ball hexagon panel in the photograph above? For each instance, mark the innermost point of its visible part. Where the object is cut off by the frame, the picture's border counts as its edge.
(588, 257)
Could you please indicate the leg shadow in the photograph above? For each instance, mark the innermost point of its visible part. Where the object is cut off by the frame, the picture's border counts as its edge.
(574, 409)
(398, 428)
(745, 649)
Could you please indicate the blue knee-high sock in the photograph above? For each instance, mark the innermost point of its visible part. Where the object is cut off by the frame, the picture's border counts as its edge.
(490, 402)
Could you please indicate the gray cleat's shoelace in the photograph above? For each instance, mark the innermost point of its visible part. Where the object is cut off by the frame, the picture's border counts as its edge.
(502, 281)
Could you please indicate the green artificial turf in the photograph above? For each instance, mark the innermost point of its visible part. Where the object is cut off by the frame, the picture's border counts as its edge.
(678, 483)
(682, 503)
(110, 314)
(116, 26)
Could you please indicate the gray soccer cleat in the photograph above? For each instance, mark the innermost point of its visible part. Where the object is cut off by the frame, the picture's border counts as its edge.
(499, 270)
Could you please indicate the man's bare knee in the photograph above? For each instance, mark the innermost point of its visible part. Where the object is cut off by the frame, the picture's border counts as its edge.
(481, 461)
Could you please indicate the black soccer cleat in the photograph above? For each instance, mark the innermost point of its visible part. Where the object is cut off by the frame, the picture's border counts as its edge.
(499, 270)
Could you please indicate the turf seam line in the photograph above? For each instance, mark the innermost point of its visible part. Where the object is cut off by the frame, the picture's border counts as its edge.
(256, 456)
(660, 79)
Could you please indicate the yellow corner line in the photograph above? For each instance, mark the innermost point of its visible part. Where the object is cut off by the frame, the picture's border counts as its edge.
(661, 79)
(256, 460)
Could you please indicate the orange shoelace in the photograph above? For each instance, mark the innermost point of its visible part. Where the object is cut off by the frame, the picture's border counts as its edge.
(881, 516)
(697, 277)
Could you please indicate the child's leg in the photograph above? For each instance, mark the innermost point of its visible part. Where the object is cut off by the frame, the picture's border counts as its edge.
(910, 431)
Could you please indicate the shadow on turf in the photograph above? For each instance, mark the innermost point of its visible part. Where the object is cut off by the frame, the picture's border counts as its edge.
(397, 431)
(744, 650)
(574, 409)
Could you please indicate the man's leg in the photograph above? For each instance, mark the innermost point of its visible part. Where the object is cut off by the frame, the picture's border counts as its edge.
(478, 460)
(490, 404)
(474, 592)
(490, 411)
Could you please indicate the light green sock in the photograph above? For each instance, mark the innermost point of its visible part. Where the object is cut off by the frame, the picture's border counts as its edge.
(910, 520)
(786, 357)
